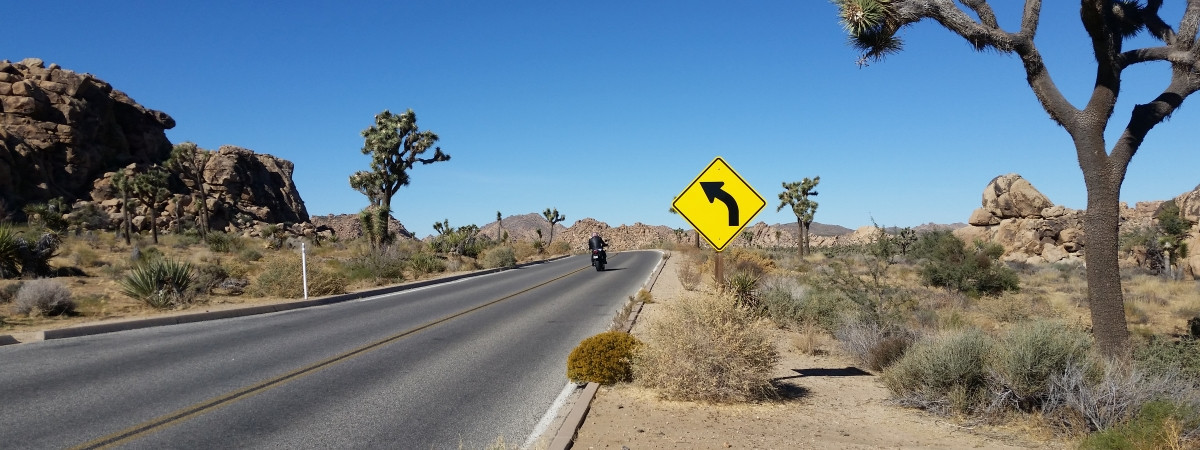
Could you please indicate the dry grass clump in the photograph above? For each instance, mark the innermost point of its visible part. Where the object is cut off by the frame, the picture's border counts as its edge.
(283, 278)
(43, 297)
(689, 273)
(1123, 402)
(707, 348)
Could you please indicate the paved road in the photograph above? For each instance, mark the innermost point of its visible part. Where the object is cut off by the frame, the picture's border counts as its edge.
(457, 364)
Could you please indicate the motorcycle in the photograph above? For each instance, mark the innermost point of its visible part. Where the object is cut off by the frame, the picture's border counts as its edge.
(599, 258)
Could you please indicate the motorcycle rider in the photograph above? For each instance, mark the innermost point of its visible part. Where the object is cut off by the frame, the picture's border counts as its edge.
(597, 243)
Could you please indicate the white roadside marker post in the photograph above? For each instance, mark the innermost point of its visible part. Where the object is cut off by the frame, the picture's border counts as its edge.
(304, 268)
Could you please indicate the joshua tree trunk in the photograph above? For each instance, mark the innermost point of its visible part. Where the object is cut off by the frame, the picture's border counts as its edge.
(1101, 226)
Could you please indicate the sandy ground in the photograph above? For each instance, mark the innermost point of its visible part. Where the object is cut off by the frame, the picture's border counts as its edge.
(828, 404)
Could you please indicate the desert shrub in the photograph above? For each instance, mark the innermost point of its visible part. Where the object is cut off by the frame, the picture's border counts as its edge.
(145, 255)
(1157, 425)
(284, 278)
(9, 291)
(499, 257)
(689, 274)
(1028, 357)
(1103, 396)
(789, 303)
(86, 257)
(221, 242)
(974, 270)
(524, 250)
(382, 265)
(160, 283)
(208, 277)
(249, 255)
(1163, 356)
(43, 297)
(708, 348)
(754, 262)
(943, 373)
(560, 248)
(605, 358)
(871, 343)
(425, 263)
(863, 284)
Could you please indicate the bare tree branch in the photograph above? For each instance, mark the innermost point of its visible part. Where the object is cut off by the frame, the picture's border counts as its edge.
(986, 16)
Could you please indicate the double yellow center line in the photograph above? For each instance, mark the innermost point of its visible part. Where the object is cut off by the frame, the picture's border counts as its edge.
(214, 403)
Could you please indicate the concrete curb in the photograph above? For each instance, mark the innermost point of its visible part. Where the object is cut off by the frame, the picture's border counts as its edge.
(87, 330)
(565, 437)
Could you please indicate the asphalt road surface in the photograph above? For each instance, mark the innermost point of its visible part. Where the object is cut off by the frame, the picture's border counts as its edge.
(455, 365)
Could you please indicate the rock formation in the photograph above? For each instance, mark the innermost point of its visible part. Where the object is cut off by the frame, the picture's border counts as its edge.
(60, 130)
(1028, 225)
(64, 134)
(260, 186)
(1033, 230)
(348, 226)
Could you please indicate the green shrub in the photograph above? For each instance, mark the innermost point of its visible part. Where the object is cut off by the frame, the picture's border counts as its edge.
(284, 278)
(708, 349)
(249, 255)
(221, 242)
(43, 297)
(973, 270)
(424, 263)
(381, 265)
(1158, 424)
(1163, 356)
(499, 257)
(160, 283)
(744, 287)
(604, 358)
(943, 373)
(208, 277)
(1028, 357)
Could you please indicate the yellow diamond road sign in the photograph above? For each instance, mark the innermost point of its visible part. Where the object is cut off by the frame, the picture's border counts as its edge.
(718, 203)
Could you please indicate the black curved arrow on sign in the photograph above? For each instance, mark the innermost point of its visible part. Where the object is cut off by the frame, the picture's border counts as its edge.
(713, 190)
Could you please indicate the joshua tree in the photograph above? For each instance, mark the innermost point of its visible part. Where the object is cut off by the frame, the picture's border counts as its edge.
(553, 217)
(374, 220)
(873, 26)
(499, 227)
(188, 162)
(905, 239)
(122, 182)
(150, 188)
(795, 195)
(395, 145)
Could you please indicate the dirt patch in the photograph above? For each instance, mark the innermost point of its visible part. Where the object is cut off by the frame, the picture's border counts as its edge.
(827, 403)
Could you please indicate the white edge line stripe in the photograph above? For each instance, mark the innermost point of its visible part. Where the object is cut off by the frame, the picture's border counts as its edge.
(550, 415)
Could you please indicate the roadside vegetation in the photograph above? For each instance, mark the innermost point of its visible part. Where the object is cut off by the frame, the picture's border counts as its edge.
(947, 326)
(72, 273)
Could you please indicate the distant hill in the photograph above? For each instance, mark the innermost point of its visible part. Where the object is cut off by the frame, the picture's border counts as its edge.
(818, 228)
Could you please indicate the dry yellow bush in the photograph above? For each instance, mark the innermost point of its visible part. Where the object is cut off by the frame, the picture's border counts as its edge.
(707, 348)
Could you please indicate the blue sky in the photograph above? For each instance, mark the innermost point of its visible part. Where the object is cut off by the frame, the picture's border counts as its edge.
(608, 109)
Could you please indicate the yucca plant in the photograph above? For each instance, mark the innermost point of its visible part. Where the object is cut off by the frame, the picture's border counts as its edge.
(744, 286)
(8, 252)
(161, 283)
